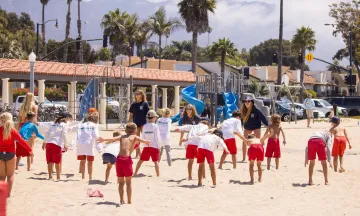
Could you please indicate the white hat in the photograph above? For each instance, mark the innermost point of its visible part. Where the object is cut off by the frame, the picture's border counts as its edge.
(151, 114)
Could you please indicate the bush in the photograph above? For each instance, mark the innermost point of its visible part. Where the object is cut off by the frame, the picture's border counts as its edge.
(54, 94)
(312, 92)
(22, 91)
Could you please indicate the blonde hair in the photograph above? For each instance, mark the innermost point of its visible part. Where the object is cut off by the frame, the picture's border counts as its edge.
(143, 96)
(193, 113)
(275, 119)
(26, 106)
(130, 128)
(245, 112)
(8, 124)
(164, 112)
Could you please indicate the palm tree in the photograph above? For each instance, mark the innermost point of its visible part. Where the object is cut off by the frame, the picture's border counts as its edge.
(131, 30)
(223, 48)
(143, 35)
(209, 32)
(195, 14)
(180, 48)
(44, 3)
(257, 89)
(160, 26)
(81, 58)
(10, 47)
(303, 40)
(67, 29)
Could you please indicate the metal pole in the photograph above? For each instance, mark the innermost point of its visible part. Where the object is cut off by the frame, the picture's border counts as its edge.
(350, 70)
(156, 99)
(131, 88)
(32, 77)
(197, 87)
(37, 39)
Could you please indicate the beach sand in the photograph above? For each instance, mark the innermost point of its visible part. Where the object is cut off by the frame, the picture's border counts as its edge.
(282, 192)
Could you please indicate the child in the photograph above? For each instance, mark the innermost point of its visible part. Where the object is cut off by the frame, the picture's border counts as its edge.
(151, 132)
(191, 144)
(109, 157)
(340, 139)
(54, 142)
(273, 145)
(124, 170)
(256, 152)
(164, 124)
(230, 128)
(26, 133)
(87, 136)
(206, 147)
(319, 143)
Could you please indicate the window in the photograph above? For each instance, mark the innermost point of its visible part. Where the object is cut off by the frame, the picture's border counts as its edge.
(317, 104)
(183, 67)
(352, 102)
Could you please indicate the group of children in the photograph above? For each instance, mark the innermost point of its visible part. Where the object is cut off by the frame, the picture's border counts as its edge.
(199, 144)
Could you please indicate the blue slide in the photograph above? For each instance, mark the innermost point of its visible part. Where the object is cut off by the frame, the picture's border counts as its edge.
(188, 94)
(230, 104)
(87, 100)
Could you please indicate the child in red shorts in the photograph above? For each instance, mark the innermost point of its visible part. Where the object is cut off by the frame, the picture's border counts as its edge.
(124, 170)
(256, 152)
(230, 128)
(55, 140)
(340, 140)
(151, 132)
(319, 144)
(206, 148)
(273, 144)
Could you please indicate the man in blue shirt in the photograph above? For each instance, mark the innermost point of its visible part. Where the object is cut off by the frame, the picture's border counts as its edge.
(309, 107)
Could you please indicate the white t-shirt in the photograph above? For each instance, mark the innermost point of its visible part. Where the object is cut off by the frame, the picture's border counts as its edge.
(87, 135)
(165, 127)
(56, 134)
(230, 126)
(151, 133)
(195, 131)
(112, 148)
(211, 142)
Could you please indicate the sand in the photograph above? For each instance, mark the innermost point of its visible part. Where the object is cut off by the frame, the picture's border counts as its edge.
(282, 192)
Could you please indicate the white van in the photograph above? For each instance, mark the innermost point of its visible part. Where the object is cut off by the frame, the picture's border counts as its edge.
(325, 107)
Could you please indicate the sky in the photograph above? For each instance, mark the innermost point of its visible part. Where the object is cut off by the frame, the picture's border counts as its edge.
(246, 23)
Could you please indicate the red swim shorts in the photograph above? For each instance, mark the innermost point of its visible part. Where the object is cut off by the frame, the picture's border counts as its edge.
(148, 152)
(191, 151)
(231, 145)
(124, 166)
(256, 152)
(316, 146)
(273, 148)
(137, 145)
(85, 157)
(339, 146)
(204, 153)
(53, 153)
(21, 151)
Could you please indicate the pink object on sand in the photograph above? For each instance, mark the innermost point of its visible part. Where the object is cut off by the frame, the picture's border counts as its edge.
(94, 193)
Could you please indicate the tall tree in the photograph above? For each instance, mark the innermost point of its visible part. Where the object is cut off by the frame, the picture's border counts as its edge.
(81, 57)
(223, 48)
(143, 35)
(303, 40)
(44, 3)
(131, 30)
(67, 29)
(209, 30)
(181, 47)
(280, 51)
(160, 26)
(195, 13)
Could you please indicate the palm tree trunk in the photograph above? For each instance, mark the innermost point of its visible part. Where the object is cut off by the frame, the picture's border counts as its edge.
(141, 56)
(43, 30)
(302, 76)
(160, 52)
(81, 57)
(67, 31)
(194, 50)
(129, 56)
(280, 52)
(223, 55)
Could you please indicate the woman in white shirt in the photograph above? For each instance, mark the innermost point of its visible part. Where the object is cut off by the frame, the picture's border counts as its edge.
(164, 124)
(87, 136)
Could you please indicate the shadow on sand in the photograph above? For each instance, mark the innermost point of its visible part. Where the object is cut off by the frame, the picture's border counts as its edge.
(96, 182)
(176, 181)
(108, 203)
(240, 182)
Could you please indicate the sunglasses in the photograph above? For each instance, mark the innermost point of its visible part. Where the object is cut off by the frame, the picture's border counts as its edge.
(247, 101)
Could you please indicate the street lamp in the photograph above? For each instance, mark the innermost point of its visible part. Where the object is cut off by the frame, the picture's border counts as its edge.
(32, 59)
(37, 32)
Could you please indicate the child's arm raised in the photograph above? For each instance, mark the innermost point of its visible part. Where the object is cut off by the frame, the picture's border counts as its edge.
(283, 134)
(37, 133)
(347, 138)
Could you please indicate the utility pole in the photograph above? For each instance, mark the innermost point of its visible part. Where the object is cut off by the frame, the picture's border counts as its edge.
(280, 52)
(350, 69)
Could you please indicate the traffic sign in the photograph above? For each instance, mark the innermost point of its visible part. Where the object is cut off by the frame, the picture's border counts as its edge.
(309, 57)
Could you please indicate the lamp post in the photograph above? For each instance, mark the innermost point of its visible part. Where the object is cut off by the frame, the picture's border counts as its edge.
(350, 58)
(32, 59)
(37, 32)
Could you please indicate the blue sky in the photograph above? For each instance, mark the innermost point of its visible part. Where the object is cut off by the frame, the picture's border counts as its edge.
(246, 23)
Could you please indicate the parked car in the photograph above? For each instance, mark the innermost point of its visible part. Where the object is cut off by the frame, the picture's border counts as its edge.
(284, 110)
(325, 107)
(20, 99)
(351, 104)
(302, 108)
(266, 101)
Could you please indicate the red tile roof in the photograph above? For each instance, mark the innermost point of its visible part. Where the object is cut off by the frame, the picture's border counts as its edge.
(67, 69)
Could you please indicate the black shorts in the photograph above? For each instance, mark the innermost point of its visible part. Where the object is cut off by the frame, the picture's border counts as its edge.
(108, 158)
(6, 156)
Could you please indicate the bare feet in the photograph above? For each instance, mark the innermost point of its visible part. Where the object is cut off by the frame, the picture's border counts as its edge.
(214, 186)
(129, 202)
(268, 168)
(252, 181)
(200, 184)
(342, 170)
(259, 180)
(311, 182)
(220, 167)
(190, 178)
(122, 202)
(326, 183)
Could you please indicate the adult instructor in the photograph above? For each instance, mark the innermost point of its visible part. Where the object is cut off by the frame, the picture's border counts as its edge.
(251, 118)
(309, 108)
